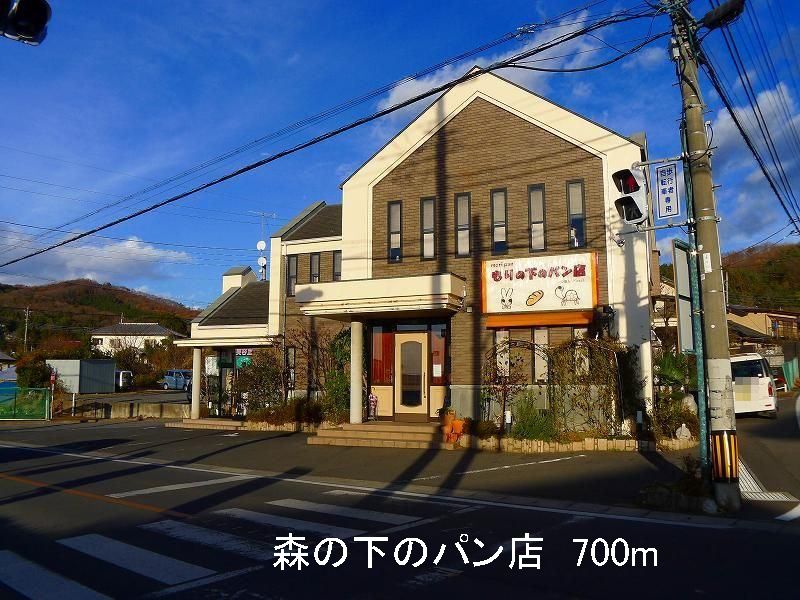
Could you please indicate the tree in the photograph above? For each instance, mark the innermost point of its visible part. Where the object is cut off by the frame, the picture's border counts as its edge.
(504, 377)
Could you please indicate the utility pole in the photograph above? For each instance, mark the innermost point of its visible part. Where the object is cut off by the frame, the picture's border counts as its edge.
(719, 384)
(25, 335)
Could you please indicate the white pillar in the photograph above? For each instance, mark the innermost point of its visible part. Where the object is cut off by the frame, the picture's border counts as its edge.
(356, 370)
(197, 365)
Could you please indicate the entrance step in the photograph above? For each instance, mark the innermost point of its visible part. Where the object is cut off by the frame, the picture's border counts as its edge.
(382, 435)
(217, 424)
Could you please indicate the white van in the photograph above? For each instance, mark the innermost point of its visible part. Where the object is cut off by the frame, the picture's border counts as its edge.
(753, 386)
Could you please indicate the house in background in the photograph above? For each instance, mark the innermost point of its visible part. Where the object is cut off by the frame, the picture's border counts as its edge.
(115, 337)
(6, 361)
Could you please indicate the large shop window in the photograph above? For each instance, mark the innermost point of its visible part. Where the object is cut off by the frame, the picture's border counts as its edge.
(577, 214)
(499, 223)
(427, 225)
(503, 357)
(291, 274)
(462, 224)
(382, 363)
(315, 268)
(536, 212)
(291, 358)
(337, 265)
(395, 232)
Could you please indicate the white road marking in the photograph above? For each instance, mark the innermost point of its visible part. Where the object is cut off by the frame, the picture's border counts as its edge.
(607, 513)
(180, 486)
(435, 575)
(428, 521)
(132, 558)
(791, 515)
(345, 511)
(229, 435)
(215, 539)
(503, 467)
(290, 524)
(752, 489)
(393, 499)
(201, 582)
(31, 580)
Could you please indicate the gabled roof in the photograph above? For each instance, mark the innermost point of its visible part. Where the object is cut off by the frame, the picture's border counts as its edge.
(247, 305)
(6, 358)
(325, 222)
(492, 74)
(237, 271)
(136, 330)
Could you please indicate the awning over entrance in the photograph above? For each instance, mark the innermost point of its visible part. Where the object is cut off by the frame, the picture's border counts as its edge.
(422, 294)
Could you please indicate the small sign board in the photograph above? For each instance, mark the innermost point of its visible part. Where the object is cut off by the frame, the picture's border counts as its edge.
(668, 201)
(683, 295)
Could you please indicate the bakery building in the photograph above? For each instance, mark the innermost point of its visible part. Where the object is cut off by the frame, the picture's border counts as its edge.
(490, 216)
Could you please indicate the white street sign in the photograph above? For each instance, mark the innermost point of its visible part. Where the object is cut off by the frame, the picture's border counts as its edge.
(668, 201)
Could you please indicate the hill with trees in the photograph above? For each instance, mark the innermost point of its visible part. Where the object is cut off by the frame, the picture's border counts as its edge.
(71, 309)
(767, 276)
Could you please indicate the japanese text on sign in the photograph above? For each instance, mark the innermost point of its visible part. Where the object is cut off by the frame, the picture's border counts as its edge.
(668, 198)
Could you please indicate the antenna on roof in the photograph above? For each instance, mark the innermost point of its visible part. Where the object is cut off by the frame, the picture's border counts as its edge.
(262, 260)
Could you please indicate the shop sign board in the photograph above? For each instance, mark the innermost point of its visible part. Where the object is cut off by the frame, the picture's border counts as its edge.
(533, 284)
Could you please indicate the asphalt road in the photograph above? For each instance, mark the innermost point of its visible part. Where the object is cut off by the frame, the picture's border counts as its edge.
(126, 510)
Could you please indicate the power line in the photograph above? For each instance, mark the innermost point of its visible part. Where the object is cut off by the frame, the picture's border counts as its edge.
(619, 17)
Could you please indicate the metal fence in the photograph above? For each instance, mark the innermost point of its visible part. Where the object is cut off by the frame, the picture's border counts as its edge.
(24, 403)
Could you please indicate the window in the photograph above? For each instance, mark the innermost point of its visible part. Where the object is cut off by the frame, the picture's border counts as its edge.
(395, 231)
(581, 351)
(541, 340)
(382, 356)
(503, 354)
(291, 358)
(536, 216)
(337, 265)
(462, 224)
(747, 368)
(426, 210)
(315, 268)
(291, 274)
(97, 341)
(499, 225)
(577, 214)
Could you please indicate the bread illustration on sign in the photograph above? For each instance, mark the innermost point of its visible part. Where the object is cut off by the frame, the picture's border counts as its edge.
(534, 297)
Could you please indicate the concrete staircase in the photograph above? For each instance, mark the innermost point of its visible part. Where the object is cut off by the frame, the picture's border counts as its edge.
(382, 435)
(217, 424)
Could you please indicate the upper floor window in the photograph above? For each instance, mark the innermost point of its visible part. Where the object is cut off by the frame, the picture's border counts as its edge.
(536, 216)
(499, 224)
(291, 274)
(427, 227)
(577, 214)
(462, 224)
(395, 232)
(315, 268)
(337, 265)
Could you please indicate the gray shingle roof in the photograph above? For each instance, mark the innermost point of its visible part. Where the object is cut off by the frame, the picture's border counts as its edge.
(136, 329)
(6, 358)
(248, 305)
(325, 222)
(237, 271)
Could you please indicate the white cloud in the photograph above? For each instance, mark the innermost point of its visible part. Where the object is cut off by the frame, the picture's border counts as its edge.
(647, 58)
(128, 260)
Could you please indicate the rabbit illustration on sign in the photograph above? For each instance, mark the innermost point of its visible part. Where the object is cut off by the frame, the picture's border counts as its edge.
(566, 296)
(505, 298)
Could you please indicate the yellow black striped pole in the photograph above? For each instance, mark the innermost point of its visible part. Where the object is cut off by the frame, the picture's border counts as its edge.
(725, 456)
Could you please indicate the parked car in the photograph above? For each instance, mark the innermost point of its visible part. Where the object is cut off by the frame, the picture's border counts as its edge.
(780, 380)
(753, 386)
(177, 379)
(123, 380)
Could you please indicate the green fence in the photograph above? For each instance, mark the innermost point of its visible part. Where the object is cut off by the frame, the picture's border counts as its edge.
(24, 403)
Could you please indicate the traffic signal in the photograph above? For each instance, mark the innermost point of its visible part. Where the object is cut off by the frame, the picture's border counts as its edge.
(24, 20)
(632, 206)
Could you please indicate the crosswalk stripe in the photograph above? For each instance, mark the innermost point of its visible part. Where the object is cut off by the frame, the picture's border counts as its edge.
(390, 498)
(31, 580)
(345, 511)
(212, 538)
(287, 523)
(180, 486)
(132, 558)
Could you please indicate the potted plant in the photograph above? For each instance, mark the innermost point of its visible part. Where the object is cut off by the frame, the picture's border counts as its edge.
(447, 415)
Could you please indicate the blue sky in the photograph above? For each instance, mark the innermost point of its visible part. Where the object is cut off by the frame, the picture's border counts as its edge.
(122, 95)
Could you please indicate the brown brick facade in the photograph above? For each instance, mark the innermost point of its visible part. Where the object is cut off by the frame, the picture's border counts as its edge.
(483, 148)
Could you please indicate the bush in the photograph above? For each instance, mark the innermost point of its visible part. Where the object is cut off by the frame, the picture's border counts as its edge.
(336, 403)
(531, 423)
(481, 429)
(33, 374)
(294, 410)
